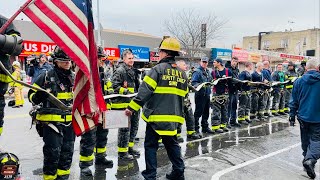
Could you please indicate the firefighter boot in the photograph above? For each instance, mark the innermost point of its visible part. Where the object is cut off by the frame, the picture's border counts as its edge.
(86, 171)
(175, 176)
(133, 152)
(125, 156)
(102, 161)
(194, 135)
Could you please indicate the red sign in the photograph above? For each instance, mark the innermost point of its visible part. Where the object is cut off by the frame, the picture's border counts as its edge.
(154, 56)
(241, 55)
(112, 53)
(34, 47)
(291, 56)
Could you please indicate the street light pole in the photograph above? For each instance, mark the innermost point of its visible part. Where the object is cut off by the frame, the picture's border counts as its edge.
(259, 39)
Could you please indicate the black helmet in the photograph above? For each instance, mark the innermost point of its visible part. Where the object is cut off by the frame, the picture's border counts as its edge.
(9, 165)
(59, 55)
(100, 52)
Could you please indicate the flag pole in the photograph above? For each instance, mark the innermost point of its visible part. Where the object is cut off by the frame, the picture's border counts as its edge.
(25, 5)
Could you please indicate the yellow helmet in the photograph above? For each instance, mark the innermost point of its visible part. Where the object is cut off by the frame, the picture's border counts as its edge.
(170, 44)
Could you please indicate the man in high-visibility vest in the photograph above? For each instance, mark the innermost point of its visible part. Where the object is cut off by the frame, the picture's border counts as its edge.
(290, 75)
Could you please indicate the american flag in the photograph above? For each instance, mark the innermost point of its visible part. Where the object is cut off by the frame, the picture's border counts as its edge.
(69, 23)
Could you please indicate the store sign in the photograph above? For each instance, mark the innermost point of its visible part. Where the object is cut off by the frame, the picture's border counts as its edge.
(253, 57)
(292, 56)
(112, 53)
(154, 56)
(141, 54)
(241, 55)
(224, 54)
(34, 47)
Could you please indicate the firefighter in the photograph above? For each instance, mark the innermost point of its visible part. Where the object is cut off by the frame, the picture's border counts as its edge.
(289, 75)
(278, 92)
(233, 93)
(302, 69)
(220, 95)
(94, 142)
(188, 112)
(124, 81)
(161, 95)
(268, 91)
(202, 97)
(55, 124)
(18, 93)
(245, 95)
(257, 104)
(10, 45)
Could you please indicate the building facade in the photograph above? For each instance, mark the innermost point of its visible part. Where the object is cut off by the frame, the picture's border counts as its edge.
(304, 43)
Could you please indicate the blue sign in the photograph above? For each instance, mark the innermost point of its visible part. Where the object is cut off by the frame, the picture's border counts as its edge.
(141, 54)
(224, 54)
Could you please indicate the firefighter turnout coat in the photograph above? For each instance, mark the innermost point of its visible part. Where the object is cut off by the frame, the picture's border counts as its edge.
(161, 95)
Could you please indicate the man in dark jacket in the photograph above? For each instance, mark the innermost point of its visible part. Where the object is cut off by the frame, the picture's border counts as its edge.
(305, 105)
(267, 93)
(233, 93)
(37, 67)
(161, 95)
(202, 97)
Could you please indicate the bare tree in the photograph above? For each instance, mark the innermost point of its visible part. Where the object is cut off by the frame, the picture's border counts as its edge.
(186, 27)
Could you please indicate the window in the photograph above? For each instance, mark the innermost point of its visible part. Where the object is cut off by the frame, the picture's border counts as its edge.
(304, 41)
(266, 44)
(284, 43)
(250, 46)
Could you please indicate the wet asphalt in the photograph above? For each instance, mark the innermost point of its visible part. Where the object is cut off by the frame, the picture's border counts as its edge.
(263, 150)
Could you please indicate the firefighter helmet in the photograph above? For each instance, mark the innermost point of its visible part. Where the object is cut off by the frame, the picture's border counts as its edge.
(100, 52)
(9, 165)
(59, 55)
(170, 44)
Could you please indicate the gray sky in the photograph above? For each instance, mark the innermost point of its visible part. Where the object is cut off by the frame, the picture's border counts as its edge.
(245, 17)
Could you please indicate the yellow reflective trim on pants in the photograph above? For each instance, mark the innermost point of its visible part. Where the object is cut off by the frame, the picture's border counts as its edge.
(120, 149)
(163, 118)
(215, 127)
(49, 177)
(65, 95)
(286, 109)
(166, 133)
(1, 130)
(289, 86)
(61, 172)
(151, 82)
(134, 105)
(274, 111)
(121, 90)
(190, 132)
(86, 158)
(119, 105)
(246, 117)
(160, 140)
(170, 90)
(281, 110)
(53, 118)
(108, 106)
(179, 135)
(100, 150)
(4, 78)
(241, 118)
(223, 125)
(130, 144)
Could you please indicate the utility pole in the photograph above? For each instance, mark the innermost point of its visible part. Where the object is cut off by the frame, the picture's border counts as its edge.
(99, 43)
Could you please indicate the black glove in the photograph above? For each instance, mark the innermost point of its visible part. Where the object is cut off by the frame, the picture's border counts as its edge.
(39, 97)
(292, 120)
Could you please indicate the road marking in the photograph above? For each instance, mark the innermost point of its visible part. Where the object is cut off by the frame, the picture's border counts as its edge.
(217, 175)
(16, 116)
